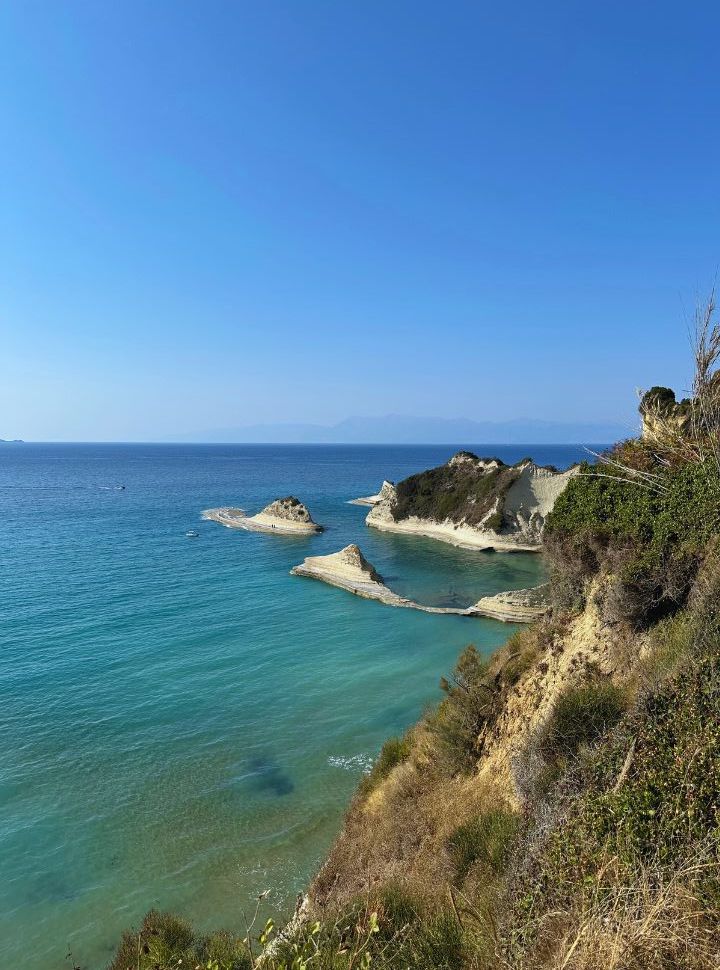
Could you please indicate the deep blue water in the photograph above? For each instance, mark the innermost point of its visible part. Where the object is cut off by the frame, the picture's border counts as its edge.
(182, 723)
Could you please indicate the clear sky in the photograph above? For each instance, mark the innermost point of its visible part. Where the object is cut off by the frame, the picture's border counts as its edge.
(223, 213)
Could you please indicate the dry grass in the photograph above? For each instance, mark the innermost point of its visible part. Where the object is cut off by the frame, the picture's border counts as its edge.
(706, 387)
(399, 830)
(401, 836)
(658, 921)
(685, 433)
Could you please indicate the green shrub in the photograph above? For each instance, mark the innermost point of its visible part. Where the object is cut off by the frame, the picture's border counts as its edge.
(399, 908)
(670, 800)
(486, 839)
(521, 651)
(166, 941)
(437, 944)
(650, 794)
(670, 641)
(462, 492)
(391, 930)
(652, 539)
(392, 753)
(581, 716)
(460, 717)
(411, 934)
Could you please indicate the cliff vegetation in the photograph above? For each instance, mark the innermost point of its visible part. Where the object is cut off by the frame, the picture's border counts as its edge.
(467, 489)
(560, 808)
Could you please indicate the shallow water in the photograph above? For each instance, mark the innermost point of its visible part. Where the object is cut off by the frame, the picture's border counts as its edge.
(181, 722)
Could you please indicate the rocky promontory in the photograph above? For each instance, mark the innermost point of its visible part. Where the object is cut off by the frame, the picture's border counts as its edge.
(285, 516)
(387, 490)
(349, 569)
(476, 503)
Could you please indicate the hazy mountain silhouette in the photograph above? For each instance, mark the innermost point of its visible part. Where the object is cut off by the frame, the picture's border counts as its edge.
(404, 429)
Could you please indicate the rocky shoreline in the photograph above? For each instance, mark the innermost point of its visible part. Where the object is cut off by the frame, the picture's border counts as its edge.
(348, 569)
(515, 605)
(461, 536)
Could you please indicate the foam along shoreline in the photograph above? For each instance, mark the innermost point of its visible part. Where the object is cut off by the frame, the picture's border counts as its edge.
(348, 569)
(286, 516)
(387, 490)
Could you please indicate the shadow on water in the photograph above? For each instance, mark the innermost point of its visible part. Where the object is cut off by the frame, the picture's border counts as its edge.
(50, 888)
(268, 776)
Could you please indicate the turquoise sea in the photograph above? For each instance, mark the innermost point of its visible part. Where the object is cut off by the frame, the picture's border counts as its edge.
(182, 723)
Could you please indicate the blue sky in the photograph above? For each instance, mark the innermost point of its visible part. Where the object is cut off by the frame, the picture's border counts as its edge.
(223, 213)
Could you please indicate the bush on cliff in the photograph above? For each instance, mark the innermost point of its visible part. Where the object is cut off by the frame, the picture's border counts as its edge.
(166, 942)
(581, 716)
(632, 861)
(392, 753)
(485, 840)
(461, 492)
(459, 718)
(652, 540)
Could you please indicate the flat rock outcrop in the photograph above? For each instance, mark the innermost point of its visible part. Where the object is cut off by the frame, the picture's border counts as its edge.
(515, 606)
(284, 516)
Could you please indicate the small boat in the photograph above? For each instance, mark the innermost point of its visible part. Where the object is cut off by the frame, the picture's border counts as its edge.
(120, 488)
(192, 534)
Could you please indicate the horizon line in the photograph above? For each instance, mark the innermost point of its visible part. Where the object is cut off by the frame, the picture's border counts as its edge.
(303, 444)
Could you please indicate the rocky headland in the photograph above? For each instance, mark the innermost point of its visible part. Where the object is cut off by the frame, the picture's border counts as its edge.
(284, 516)
(474, 503)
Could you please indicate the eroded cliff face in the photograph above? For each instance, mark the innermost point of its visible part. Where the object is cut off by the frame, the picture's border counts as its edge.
(568, 652)
(476, 502)
(400, 829)
(531, 498)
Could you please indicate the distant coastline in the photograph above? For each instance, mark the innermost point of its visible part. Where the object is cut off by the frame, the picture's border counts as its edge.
(393, 429)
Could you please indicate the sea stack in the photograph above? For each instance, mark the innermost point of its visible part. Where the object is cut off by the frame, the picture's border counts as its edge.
(284, 516)
(349, 570)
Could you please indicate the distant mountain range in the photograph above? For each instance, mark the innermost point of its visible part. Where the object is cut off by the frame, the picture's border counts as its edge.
(402, 429)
